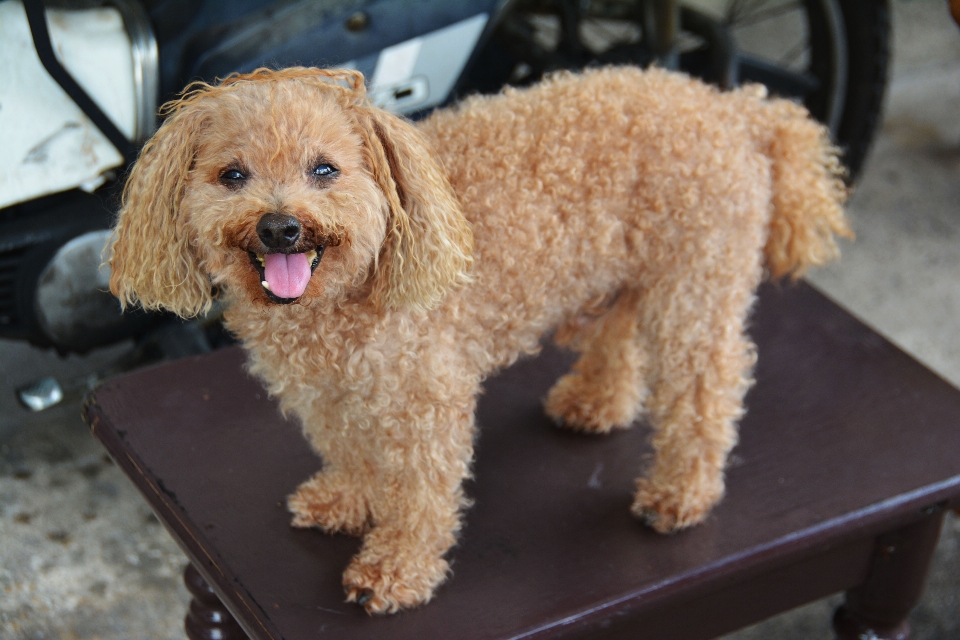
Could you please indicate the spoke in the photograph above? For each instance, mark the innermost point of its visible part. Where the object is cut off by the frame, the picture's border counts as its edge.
(783, 82)
(614, 35)
(743, 8)
(733, 12)
(793, 53)
(766, 14)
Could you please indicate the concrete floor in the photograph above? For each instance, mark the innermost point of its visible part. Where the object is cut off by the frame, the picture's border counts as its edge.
(82, 556)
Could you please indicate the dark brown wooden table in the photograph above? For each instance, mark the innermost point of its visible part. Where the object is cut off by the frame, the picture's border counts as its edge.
(849, 455)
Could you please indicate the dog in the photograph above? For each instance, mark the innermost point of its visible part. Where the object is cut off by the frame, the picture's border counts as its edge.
(376, 271)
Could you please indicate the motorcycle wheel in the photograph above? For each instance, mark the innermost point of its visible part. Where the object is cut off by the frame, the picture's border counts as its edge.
(830, 54)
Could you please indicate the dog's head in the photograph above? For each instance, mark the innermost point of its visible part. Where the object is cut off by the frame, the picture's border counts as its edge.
(286, 186)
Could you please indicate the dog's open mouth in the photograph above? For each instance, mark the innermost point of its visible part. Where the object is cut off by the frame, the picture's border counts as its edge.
(285, 276)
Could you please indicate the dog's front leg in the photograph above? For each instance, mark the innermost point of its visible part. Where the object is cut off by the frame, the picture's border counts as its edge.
(421, 453)
(334, 499)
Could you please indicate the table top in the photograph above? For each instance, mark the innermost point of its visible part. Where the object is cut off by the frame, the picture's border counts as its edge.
(844, 435)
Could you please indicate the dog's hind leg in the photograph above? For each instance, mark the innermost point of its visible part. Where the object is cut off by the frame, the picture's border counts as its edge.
(605, 388)
(701, 364)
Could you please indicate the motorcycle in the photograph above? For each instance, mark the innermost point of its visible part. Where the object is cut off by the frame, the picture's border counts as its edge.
(85, 77)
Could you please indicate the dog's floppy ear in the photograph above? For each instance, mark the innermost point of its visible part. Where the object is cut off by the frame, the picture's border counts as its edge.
(429, 244)
(151, 259)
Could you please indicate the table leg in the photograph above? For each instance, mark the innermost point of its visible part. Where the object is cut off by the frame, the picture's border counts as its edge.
(207, 618)
(879, 607)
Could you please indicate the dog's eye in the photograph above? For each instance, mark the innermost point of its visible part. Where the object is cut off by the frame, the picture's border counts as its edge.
(324, 170)
(233, 178)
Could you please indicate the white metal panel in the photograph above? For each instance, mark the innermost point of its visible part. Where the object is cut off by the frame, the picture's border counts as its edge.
(421, 72)
(46, 143)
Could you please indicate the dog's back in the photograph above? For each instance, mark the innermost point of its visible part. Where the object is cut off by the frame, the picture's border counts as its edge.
(589, 180)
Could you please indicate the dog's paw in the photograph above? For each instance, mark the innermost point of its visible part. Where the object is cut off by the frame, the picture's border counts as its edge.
(329, 502)
(575, 404)
(387, 584)
(670, 509)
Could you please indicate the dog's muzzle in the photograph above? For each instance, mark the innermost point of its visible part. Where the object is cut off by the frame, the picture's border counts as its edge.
(284, 271)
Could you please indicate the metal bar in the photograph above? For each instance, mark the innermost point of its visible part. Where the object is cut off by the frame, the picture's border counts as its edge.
(37, 19)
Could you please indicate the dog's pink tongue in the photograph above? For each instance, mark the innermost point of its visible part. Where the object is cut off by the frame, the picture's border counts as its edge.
(287, 274)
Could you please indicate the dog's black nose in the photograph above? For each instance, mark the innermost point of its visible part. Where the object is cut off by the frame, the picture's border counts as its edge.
(278, 230)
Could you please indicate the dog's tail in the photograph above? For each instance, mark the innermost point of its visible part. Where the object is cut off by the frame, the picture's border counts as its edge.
(808, 191)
